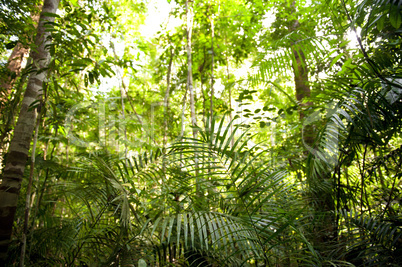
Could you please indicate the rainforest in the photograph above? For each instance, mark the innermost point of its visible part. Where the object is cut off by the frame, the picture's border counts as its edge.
(200, 133)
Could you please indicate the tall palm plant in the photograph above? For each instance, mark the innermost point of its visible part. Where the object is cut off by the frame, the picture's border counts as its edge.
(359, 137)
(237, 217)
(147, 208)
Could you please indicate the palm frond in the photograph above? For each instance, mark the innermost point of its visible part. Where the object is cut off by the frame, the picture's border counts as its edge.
(384, 238)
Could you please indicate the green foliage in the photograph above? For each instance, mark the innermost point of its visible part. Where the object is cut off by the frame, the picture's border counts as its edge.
(250, 190)
(16, 22)
(383, 237)
(149, 206)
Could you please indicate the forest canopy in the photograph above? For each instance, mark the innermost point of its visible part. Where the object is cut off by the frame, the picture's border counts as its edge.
(200, 133)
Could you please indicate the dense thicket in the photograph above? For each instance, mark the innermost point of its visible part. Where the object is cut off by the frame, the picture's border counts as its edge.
(242, 133)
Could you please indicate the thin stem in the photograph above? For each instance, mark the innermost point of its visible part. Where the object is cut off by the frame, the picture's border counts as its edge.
(212, 67)
(166, 102)
(28, 193)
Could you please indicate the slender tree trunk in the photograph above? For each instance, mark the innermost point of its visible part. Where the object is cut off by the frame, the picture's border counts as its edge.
(204, 101)
(229, 85)
(183, 109)
(189, 15)
(124, 92)
(28, 195)
(190, 67)
(212, 68)
(167, 94)
(123, 108)
(20, 144)
(204, 98)
(123, 115)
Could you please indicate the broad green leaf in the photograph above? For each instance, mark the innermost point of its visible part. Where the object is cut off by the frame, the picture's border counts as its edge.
(395, 16)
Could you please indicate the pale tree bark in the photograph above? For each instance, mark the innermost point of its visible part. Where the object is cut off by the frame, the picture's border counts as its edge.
(212, 68)
(190, 67)
(123, 108)
(28, 195)
(167, 95)
(189, 16)
(19, 146)
(204, 98)
(229, 85)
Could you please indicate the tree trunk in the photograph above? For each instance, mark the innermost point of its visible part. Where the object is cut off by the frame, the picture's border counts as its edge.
(14, 68)
(14, 65)
(321, 197)
(212, 68)
(19, 146)
(28, 194)
(123, 108)
(167, 95)
(302, 86)
(190, 68)
(189, 15)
